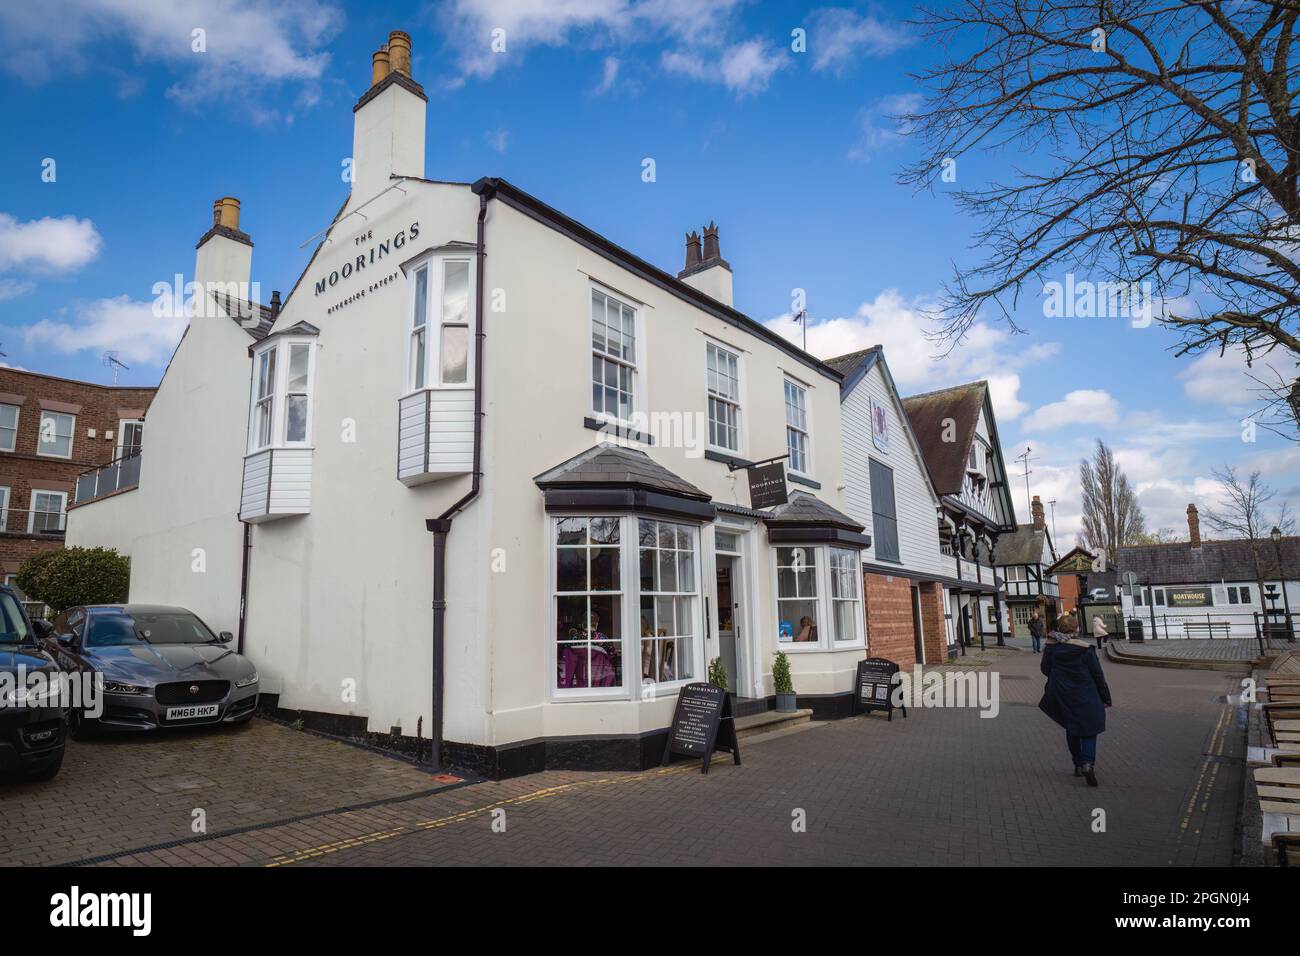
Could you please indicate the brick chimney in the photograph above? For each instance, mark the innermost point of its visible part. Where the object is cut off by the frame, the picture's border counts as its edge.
(1194, 526)
(388, 122)
(1036, 509)
(710, 273)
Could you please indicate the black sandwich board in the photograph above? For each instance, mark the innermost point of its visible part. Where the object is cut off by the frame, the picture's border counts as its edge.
(702, 723)
(874, 687)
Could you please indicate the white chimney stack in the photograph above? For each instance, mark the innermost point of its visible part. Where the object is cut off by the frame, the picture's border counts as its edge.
(706, 270)
(224, 256)
(388, 122)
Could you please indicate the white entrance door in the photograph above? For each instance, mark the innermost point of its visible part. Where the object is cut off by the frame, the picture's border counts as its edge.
(734, 612)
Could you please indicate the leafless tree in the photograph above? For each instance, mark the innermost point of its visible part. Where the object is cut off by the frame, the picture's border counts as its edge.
(1244, 514)
(1158, 144)
(1112, 516)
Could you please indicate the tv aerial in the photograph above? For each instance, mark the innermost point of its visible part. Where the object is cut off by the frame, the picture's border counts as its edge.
(117, 365)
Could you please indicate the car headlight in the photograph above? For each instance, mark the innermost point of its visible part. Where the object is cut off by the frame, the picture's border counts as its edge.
(248, 681)
(117, 687)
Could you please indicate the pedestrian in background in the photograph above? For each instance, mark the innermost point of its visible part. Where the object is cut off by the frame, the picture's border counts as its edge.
(1036, 630)
(1099, 630)
(1076, 696)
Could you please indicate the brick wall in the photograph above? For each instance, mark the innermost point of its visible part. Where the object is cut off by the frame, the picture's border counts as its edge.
(933, 627)
(889, 618)
(96, 408)
(1069, 585)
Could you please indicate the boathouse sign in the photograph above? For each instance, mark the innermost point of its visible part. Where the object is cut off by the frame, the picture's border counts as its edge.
(369, 257)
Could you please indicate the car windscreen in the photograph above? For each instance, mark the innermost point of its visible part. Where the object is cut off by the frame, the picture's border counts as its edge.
(13, 626)
(153, 627)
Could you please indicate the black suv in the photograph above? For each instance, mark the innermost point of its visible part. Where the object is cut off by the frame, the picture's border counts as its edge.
(32, 731)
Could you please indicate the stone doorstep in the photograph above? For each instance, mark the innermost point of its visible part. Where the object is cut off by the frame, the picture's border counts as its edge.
(769, 721)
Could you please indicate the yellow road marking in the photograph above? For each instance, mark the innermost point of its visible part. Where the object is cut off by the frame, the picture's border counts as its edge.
(546, 792)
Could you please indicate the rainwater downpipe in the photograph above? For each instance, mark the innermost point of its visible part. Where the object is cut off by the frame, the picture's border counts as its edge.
(441, 525)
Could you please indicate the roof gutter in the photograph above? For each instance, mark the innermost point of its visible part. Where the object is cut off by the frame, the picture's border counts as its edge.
(441, 525)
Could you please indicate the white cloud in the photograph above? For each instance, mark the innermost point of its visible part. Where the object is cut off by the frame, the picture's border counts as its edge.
(498, 139)
(915, 362)
(1082, 406)
(47, 245)
(13, 288)
(251, 45)
(744, 68)
(1227, 380)
(609, 76)
(882, 125)
(838, 38)
(120, 323)
(700, 36)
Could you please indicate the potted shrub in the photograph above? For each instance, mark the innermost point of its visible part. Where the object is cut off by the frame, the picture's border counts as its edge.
(717, 673)
(784, 686)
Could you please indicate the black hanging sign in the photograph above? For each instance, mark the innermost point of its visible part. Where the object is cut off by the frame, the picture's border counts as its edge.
(874, 686)
(702, 723)
(767, 485)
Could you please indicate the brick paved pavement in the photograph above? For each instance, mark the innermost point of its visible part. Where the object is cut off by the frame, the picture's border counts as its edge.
(1224, 649)
(123, 791)
(940, 787)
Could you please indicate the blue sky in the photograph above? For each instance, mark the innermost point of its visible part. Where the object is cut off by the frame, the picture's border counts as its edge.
(795, 155)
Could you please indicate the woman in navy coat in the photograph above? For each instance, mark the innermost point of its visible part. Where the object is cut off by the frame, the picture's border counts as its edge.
(1076, 696)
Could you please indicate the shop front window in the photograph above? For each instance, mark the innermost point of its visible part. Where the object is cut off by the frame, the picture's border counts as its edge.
(588, 603)
(846, 603)
(669, 593)
(796, 594)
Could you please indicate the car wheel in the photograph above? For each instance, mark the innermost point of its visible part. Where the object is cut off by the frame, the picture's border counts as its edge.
(49, 771)
(78, 725)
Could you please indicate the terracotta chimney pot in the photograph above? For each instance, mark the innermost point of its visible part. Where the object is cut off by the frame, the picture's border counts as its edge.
(379, 66)
(229, 212)
(399, 52)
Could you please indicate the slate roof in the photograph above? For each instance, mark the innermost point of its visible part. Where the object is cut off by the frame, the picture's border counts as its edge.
(946, 460)
(844, 364)
(612, 465)
(1226, 560)
(803, 509)
(253, 317)
(1025, 545)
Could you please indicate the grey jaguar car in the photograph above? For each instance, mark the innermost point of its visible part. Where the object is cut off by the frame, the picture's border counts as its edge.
(161, 667)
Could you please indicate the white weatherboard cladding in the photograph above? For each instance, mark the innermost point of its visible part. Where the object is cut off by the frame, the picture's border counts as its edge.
(435, 434)
(916, 505)
(277, 481)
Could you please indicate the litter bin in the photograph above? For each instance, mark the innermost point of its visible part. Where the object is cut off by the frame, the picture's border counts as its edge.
(1135, 630)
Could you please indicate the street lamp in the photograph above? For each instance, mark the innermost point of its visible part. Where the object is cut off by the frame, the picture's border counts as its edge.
(1276, 535)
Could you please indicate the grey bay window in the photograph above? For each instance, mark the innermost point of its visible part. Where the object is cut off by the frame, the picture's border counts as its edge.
(278, 466)
(818, 597)
(435, 414)
(884, 512)
(723, 384)
(625, 601)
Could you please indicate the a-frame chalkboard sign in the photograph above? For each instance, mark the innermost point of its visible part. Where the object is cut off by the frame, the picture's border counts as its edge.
(702, 723)
(874, 686)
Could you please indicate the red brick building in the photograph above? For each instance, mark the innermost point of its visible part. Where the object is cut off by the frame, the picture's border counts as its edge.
(52, 430)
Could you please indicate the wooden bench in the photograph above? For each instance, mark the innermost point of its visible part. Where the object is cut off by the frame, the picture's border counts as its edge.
(1279, 802)
(1193, 629)
(1287, 848)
